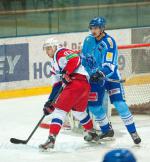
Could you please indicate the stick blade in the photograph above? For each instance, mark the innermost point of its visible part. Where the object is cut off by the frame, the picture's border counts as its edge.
(17, 141)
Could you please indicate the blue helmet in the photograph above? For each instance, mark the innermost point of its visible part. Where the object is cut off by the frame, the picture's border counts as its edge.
(119, 155)
(97, 22)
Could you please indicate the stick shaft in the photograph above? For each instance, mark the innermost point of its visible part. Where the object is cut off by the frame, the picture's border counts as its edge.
(17, 141)
(114, 80)
(59, 91)
(35, 128)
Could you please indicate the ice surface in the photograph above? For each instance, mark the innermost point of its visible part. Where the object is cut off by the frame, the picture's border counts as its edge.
(19, 116)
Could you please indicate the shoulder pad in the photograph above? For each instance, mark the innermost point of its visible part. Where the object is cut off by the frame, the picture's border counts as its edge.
(110, 41)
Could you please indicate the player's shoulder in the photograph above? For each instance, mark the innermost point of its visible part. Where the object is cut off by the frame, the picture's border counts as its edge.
(59, 53)
(63, 52)
(109, 40)
(90, 38)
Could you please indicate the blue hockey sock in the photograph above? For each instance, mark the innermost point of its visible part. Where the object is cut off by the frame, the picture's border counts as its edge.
(104, 124)
(101, 118)
(126, 115)
(128, 120)
(105, 128)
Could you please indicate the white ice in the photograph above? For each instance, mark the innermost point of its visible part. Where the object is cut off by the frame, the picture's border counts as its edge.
(19, 116)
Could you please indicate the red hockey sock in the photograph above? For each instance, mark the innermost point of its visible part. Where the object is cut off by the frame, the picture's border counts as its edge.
(55, 126)
(88, 125)
(54, 129)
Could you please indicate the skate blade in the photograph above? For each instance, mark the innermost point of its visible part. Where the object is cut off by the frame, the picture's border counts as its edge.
(41, 149)
(45, 150)
(94, 142)
(136, 145)
(107, 139)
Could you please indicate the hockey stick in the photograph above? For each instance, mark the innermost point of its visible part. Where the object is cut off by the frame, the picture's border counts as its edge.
(19, 141)
(114, 80)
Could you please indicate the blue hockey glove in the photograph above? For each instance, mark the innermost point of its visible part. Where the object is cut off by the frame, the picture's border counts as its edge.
(97, 77)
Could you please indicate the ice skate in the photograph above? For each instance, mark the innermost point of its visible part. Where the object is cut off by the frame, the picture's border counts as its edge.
(136, 138)
(91, 136)
(49, 144)
(110, 133)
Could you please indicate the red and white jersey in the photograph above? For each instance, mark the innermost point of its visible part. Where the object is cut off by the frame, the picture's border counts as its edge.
(66, 60)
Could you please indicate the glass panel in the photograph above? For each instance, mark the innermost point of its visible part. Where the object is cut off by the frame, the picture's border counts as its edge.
(6, 5)
(32, 23)
(53, 22)
(7, 25)
(119, 17)
(35, 16)
(71, 3)
(144, 15)
(75, 20)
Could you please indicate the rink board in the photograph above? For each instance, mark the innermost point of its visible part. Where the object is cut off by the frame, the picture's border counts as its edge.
(24, 68)
(23, 64)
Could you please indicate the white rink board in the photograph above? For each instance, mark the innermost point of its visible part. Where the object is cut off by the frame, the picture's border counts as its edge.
(38, 61)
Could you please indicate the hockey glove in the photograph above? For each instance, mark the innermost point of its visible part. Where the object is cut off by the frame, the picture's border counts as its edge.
(97, 77)
(66, 78)
(48, 108)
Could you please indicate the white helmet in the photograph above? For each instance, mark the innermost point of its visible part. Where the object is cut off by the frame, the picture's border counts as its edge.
(51, 42)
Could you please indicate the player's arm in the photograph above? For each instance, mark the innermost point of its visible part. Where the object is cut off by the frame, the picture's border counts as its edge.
(55, 82)
(56, 85)
(68, 64)
(73, 62)
(109, 60)
(88, 48)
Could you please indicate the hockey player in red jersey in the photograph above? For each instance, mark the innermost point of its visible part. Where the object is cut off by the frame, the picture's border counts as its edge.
(67, 70)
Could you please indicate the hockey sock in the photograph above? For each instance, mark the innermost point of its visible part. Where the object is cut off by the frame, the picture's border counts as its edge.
(55, 126)
(128, 121)
(57, 121)
(103, 123)
(87, 122)
(126, 115)
(101, 117)
(84, 118)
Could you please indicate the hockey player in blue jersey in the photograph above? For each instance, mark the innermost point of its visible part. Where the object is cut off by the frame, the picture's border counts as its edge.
(100, 58)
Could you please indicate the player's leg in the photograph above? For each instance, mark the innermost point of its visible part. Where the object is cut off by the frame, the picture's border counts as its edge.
(116, 93)
(97, 108)
(63, 105)
(102, 120)
(69, 97)
(80, 113)
(55, 126)
(87, 124)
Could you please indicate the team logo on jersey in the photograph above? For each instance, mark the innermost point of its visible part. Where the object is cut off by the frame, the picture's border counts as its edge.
(68, 52)
(110, 42)
(109, 56)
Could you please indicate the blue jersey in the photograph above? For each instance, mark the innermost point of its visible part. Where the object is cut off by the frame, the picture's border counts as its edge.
(100, 55)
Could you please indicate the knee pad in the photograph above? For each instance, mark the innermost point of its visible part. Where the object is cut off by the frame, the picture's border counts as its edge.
(60, 114)
(79, 115)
